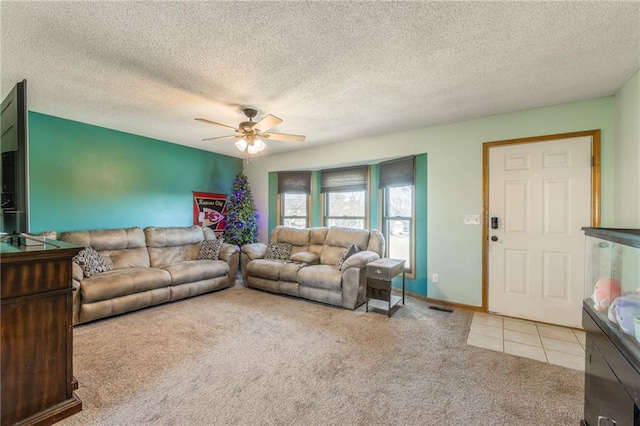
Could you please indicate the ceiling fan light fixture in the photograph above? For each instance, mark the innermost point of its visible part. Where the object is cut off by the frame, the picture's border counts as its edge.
(259, 144)
(250, 134)
(241, 144)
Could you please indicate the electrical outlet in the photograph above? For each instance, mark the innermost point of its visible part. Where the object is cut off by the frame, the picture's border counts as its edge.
(434, 278)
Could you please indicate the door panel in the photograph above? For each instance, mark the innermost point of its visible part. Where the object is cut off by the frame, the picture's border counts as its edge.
(517, 272)
(541, 194)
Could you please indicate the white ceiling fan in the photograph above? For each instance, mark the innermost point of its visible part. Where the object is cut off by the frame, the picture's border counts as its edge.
(251, 134)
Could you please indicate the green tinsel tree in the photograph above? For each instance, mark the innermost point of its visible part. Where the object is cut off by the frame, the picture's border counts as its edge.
(242, 219)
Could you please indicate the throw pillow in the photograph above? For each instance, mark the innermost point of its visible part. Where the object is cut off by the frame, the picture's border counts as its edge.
(305, 257)
(280, 251)
(349, 251)
(92, 262)
(210, 249)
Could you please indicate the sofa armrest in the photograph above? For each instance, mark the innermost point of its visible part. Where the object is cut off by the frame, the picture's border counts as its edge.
(360, 259)
(255, 250)
(76, 272)
(227, 250)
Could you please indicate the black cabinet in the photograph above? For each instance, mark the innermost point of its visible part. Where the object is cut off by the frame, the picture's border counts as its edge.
(612, 383)
(611, 319)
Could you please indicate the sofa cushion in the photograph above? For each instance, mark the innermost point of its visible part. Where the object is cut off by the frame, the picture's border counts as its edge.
(265, 268)
(121, 282)
(281, 251)
(293, 236)
(305, 257)
(107, 239)
(196, 270)
(289, 271)
(321, 276)
(210, 249)
(91, 262)
(124, 247)
(318, 235)
(344, 237)
(173, 244)
(127, 258)
(331, 255)
(348, 252)
(173, 236)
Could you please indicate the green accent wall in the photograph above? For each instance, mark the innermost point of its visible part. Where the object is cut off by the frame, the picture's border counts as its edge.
(88, 177)
(417, 285)
(316, 199)
(375, 209)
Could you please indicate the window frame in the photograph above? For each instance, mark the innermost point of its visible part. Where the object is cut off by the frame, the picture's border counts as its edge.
(398, 172)
(282, 208)
(410, 270)
(326, 205)
(293, 183)
(345, 179)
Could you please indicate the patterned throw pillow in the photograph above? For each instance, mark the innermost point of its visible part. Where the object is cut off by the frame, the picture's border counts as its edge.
(352, 249)
(210, 249)
(281, 251)
(92, 262)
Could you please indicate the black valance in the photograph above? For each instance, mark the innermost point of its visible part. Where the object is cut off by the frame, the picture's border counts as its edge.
(294, 182)
(344, 180)
(397, 172)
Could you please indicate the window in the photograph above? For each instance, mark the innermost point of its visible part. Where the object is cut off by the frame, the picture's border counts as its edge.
(294, 209)
(396, 183)
(345, 197)
(293, 197)
(345, 209)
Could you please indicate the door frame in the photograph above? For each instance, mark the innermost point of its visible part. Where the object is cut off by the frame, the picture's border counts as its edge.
(595, 190)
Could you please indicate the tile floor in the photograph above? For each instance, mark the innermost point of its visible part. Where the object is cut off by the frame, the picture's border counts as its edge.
(543, 342)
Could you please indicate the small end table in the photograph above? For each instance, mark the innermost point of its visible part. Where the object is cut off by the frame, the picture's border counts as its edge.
(379, 275)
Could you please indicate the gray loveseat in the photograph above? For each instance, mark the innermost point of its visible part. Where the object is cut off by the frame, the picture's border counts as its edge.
(312, 271)
(149, 267)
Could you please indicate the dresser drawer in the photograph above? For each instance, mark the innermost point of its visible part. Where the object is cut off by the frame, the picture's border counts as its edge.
(383, 274)
(385, 269)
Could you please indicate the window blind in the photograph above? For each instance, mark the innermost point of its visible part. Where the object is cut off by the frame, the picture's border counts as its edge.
(397, 172)
(294, 182)
(347, 179)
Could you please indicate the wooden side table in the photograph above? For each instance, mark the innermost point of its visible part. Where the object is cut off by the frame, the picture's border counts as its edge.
(37, 333)
(379, 275)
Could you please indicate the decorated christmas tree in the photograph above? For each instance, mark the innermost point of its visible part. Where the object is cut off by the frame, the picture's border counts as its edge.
(242, 219)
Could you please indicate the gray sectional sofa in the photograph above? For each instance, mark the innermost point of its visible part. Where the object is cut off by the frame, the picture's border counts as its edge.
(312, 270)
(148, 267)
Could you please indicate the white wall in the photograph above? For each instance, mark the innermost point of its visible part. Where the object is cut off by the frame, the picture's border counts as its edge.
(454, 179)
(627, 155)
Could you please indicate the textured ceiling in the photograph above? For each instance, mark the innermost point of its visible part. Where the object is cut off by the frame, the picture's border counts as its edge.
(332, 71)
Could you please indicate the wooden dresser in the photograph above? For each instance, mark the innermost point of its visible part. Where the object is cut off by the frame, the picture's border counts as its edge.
(37, 380)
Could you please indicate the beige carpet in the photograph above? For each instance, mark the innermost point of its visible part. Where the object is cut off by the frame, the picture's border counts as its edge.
(245, 357)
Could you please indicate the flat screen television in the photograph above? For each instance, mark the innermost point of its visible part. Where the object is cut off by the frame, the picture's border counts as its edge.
(14, 198)
(8, 197)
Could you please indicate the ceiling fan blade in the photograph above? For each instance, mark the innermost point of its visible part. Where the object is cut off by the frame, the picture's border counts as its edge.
(222, 137)
(204, 120)
(266, 123)
(285, 137)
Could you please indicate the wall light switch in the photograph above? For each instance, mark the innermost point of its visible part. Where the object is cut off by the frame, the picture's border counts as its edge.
(472, 219)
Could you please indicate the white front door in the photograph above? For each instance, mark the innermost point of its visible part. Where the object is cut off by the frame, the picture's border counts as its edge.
(540, 194)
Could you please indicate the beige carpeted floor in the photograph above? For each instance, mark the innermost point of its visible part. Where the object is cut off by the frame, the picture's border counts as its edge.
(245, 357)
